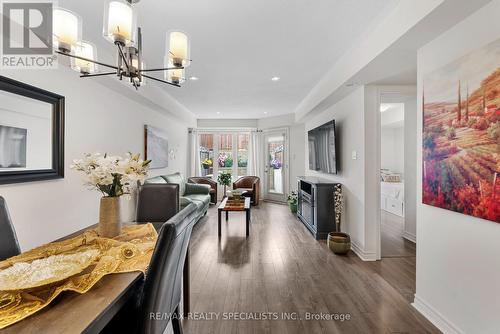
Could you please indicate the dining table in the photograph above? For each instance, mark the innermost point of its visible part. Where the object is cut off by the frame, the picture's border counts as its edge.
(90, 312)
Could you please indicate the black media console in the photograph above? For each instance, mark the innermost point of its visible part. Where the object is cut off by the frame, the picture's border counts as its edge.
(316, 207)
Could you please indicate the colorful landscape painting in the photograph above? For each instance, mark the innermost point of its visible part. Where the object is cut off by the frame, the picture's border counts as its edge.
(461, 135)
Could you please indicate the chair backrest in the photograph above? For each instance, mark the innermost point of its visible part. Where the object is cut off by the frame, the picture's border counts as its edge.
(157, 202)
(246, 181)
(162, 288)
(8, 240)
(177, 178)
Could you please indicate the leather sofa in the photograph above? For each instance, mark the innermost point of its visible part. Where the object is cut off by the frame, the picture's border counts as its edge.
(250, 184)
(199, 194)
(210, 182)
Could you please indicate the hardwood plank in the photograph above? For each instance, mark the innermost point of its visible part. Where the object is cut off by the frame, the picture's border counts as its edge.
(392, 242)
(280, 267)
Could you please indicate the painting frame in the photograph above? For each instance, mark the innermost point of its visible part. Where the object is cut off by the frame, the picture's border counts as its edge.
(461, 134)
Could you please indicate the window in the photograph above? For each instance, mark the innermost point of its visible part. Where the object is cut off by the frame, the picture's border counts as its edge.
(224, 152)
(225, 159)
(207, 154)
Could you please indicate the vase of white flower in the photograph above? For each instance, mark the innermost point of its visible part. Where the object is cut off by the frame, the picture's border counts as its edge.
(113, 176)
(110, 222)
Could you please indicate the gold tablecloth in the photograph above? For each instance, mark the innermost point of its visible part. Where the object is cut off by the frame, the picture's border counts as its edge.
(130, 251)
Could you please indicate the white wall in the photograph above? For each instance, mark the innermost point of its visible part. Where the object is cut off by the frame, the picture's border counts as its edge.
(97, 119)
(458, 256)
(297, 153)
(226, 123)
(349, 120)
(410, 169)
(392, 148)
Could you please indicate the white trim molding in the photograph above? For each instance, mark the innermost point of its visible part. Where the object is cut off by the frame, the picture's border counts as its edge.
(443, 324)
(410, 237)
(362, 254)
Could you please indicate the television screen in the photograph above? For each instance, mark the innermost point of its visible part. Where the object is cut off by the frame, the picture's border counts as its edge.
(322, 150)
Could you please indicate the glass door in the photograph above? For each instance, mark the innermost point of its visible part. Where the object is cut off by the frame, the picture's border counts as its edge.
(275, 168)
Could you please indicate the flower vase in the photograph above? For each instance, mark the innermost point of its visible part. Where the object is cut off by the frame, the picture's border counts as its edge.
(109, 217)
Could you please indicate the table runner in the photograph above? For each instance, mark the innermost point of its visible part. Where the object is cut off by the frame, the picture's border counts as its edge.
(130, 251)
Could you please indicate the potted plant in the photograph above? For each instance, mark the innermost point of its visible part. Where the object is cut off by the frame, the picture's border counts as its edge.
(242, 161)
(292, 201)
(224, 179)
(207, 163)
(114, 177)
(338, 242)
(276, 164)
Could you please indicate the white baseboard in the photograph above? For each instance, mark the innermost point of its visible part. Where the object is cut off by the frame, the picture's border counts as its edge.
(410, 237)
(365, 256)
(435, 317)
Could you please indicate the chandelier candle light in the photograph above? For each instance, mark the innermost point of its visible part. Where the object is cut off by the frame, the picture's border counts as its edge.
(119, 29)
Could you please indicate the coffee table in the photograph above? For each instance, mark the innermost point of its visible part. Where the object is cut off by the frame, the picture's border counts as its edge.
(230, 205)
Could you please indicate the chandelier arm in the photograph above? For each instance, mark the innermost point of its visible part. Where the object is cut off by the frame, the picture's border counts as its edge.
(86, 59)
(96, 74)
(123, 56)
(162, 69)
(159, 80)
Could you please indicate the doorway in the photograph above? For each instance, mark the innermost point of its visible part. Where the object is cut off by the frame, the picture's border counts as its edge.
(397, 173)
(275, 165)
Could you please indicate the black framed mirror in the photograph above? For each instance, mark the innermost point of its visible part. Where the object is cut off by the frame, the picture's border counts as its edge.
(31, 133)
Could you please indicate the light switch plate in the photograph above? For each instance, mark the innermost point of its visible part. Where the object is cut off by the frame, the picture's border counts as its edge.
(354, 155)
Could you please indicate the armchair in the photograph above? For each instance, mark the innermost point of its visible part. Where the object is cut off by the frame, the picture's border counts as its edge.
(250, 184)
(208, 181)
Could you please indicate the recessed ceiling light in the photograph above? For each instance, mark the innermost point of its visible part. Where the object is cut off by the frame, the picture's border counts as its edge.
(275, 78)
(194, 78)
(265, 112)
(218, 112)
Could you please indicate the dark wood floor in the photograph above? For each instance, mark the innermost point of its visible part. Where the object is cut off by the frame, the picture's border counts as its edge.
(281, 268)
(392, 242)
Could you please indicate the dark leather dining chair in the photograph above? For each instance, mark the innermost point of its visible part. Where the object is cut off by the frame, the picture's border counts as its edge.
(157, 303)
(162, 288)
(8, 240)
(157, 203)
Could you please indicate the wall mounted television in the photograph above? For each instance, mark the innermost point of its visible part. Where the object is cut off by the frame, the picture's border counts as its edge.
(322, 148)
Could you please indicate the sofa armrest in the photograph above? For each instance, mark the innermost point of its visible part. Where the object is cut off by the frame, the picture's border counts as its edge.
(193, 188)
(203, 180)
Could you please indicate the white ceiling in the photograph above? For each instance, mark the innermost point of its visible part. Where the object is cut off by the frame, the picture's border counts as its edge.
(237, 46)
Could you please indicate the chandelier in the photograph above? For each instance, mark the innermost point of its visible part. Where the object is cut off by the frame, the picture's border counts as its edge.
(119, 29)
